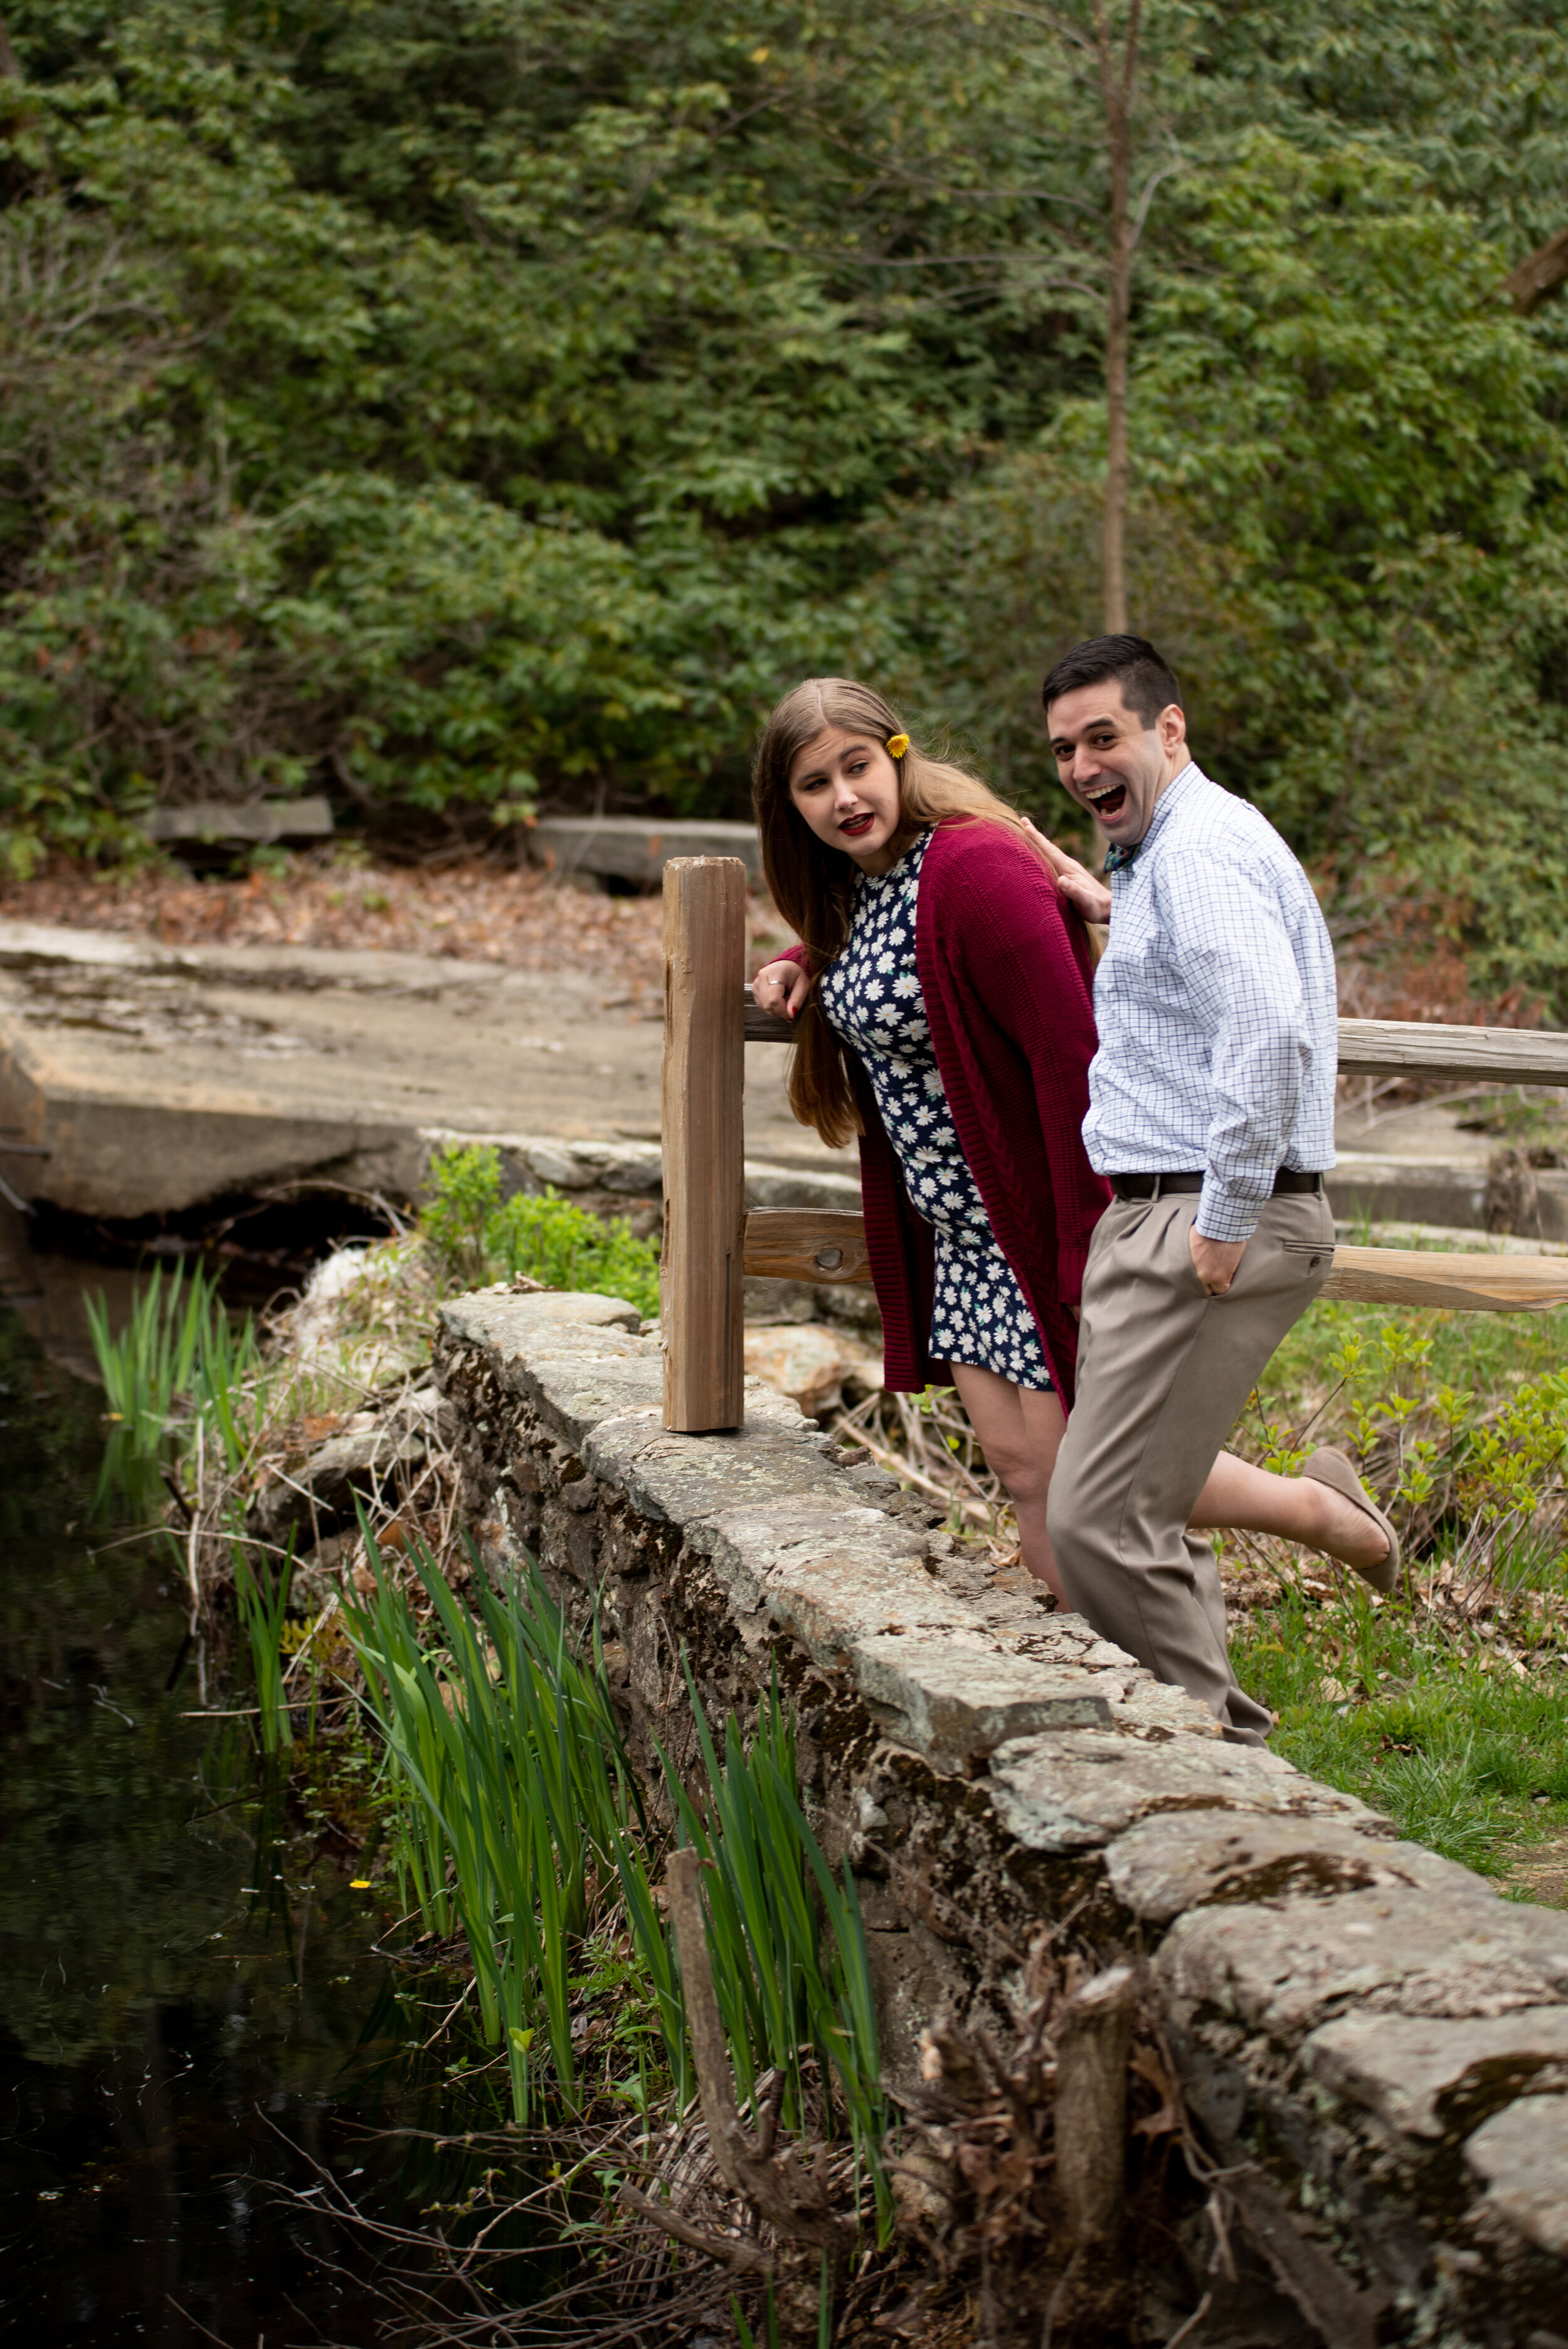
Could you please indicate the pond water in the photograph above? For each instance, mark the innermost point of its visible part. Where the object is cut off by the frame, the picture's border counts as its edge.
(192, 2010)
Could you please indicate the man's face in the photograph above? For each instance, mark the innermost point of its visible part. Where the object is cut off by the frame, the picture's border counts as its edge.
(1112, 762)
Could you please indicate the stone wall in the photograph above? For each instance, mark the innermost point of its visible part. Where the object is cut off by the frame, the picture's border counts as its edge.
(1374, 2045)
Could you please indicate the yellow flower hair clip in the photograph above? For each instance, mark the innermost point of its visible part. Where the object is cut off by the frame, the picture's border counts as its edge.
(897, 744)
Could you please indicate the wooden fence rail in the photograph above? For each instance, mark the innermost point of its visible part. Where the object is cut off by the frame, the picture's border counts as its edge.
(1378, 1048)
(708, 1239)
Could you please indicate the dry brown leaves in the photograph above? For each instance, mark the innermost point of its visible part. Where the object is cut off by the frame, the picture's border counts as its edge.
(1399, 956)
(476, 912)
(473, 911)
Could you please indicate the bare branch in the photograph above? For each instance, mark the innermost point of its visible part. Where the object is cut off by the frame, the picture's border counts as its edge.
(1146, 199)
(725, 2250)
(1540, 276)
(1064, 29)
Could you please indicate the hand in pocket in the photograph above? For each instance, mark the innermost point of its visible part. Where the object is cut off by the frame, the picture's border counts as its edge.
(1215, 1262)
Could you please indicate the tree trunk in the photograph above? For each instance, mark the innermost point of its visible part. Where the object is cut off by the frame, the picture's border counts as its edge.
(1116, 81)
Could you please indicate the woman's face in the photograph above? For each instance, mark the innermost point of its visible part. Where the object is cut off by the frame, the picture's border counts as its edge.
(846, 787)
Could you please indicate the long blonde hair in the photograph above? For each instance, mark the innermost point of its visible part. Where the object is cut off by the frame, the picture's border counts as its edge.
(813, 886)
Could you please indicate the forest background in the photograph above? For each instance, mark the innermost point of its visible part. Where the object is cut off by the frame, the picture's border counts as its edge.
(462, 405)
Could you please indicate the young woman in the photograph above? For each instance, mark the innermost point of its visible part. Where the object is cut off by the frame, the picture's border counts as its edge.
(943, 995)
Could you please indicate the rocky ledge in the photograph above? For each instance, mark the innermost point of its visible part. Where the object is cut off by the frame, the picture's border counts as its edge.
(1374, 2045)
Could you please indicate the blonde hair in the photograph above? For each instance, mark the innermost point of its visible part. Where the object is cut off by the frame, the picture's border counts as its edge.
(813, 886)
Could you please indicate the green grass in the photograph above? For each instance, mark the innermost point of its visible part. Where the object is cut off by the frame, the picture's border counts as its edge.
(260, 1600)
(178, 1355)
(1459, 1421)
(1459, 1757)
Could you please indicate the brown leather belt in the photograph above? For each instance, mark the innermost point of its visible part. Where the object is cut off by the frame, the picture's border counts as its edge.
(1152, 1187)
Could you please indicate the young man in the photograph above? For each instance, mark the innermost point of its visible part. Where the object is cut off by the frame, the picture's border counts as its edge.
(1211, 1113)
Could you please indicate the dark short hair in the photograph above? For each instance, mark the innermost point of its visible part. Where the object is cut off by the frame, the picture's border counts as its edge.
(1148, 681)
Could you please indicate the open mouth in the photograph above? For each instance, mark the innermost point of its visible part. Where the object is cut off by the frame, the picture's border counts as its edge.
(1108, 803)
(855, 826)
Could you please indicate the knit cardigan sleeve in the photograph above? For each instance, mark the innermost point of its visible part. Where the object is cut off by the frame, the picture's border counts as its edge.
(1012, 1023)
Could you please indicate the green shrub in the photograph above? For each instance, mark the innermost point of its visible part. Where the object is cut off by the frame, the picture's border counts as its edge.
(472, 1235)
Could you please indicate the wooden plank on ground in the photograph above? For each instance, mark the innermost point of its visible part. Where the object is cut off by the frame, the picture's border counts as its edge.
(701, 1297)
(1462, 1283)
(1423, 1048)
(806, 1243)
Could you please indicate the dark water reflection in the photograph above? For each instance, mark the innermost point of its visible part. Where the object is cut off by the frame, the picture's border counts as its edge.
(191, 2008)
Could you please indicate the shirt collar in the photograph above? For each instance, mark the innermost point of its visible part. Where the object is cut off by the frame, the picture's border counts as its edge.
(1179, 787)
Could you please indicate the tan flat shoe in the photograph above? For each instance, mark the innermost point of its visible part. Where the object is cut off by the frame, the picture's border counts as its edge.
(1328, 1465)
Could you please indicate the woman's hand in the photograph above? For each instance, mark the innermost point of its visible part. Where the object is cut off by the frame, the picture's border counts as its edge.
(1075, 881)
(781, 987)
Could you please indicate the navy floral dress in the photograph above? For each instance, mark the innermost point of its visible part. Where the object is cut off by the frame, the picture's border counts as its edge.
(872, 999)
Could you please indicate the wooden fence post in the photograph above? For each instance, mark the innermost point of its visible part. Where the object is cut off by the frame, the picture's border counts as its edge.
(704, 1143)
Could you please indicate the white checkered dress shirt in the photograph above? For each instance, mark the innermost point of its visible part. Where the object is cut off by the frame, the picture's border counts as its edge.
(1217, 1010)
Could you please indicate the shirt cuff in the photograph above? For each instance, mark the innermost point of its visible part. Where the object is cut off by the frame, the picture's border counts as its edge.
(1222, 1215)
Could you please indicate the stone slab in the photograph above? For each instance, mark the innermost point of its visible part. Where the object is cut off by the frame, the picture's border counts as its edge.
(580, 1374)
(956, 1704)
(796, 1546)
(146, 1080)
(692, 1480)
(1520, 2155)
(1365, 1189)
(1194, 1859)
(1416, 2072)
(828, 1572)
(1285, 1968)
(506, 1320)
(1343, 2003)
(1078, 1791)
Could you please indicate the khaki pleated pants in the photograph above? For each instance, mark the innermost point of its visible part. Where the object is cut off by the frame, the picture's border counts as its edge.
(1163, 1374)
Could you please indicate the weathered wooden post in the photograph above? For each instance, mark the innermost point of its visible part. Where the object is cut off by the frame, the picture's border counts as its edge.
(703, 1142)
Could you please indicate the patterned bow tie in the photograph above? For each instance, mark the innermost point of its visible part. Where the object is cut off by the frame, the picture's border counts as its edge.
(1117, 857)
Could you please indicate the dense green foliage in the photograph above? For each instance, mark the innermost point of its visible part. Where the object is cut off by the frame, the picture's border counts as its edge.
(473, 1235)
(438, 405)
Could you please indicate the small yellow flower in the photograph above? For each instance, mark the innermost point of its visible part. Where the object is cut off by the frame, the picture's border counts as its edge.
(359, 1884)
(897, 744)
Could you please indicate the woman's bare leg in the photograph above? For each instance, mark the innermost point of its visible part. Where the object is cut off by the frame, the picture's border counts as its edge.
(1020, 1429)
(1295, 1508)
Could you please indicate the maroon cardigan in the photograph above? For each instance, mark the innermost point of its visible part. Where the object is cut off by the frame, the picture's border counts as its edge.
(1006, 973)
